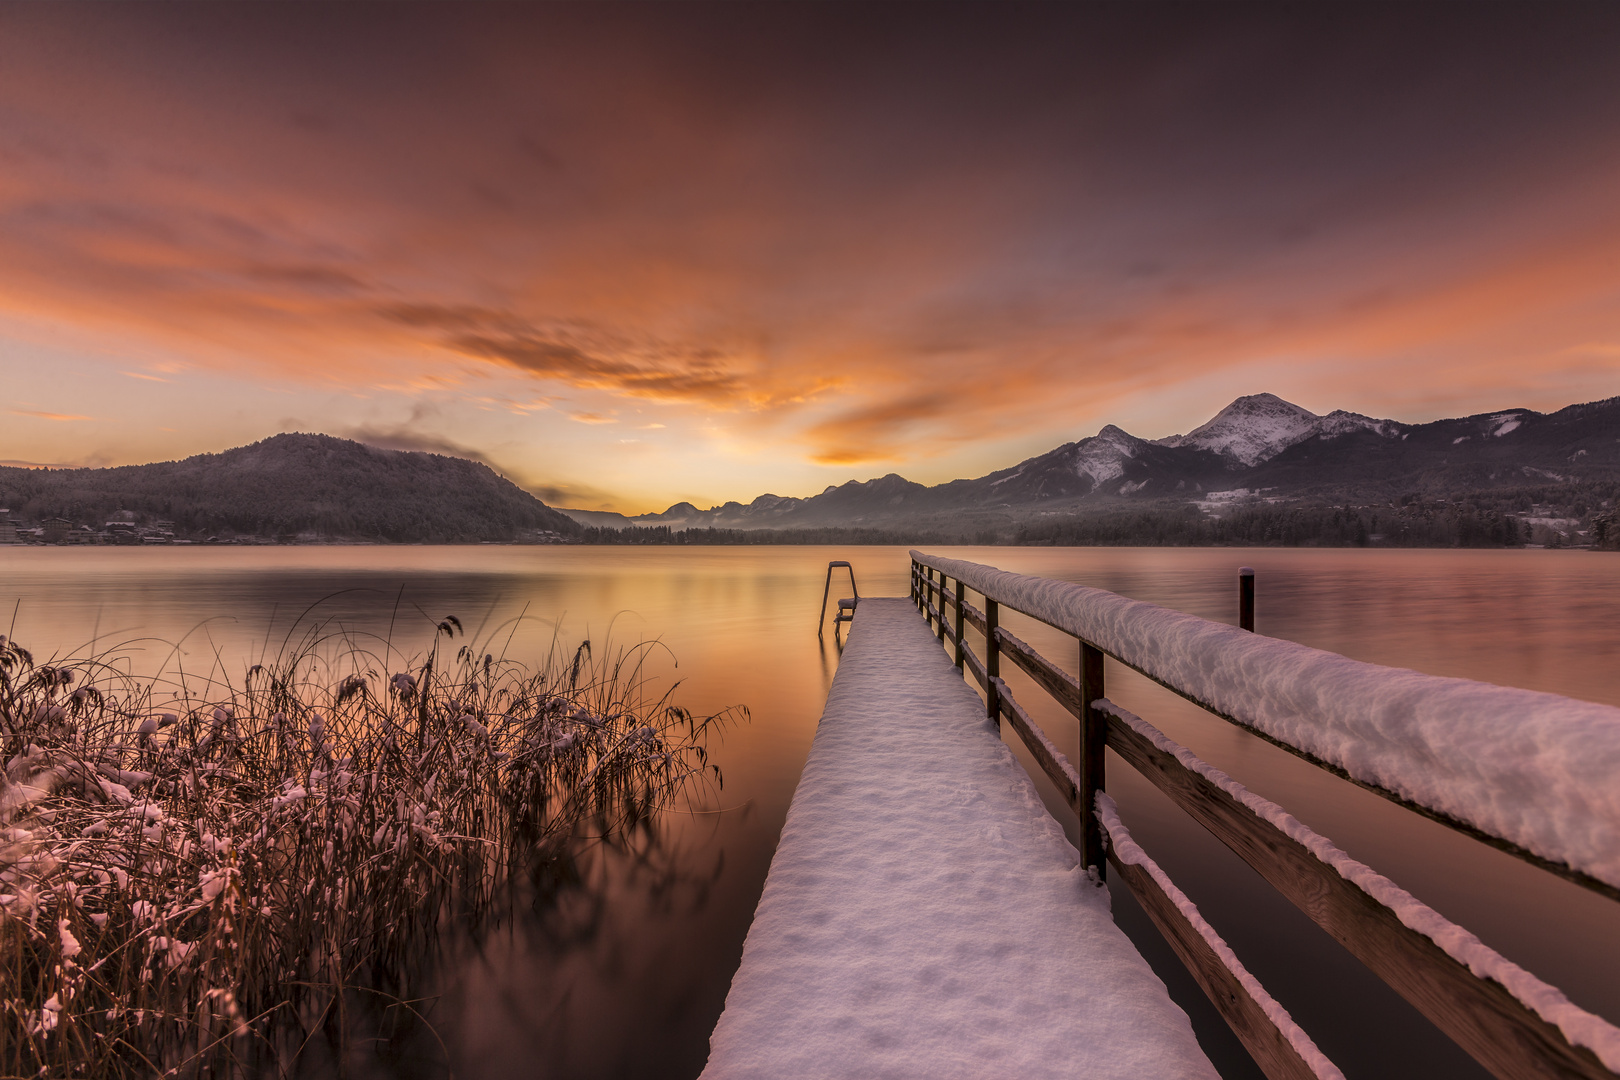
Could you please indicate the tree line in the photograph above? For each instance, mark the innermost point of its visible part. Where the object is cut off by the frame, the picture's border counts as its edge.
(663, 534)
(1287, 526)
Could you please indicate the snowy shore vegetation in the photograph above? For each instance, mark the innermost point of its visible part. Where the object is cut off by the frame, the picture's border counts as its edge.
(201, 878)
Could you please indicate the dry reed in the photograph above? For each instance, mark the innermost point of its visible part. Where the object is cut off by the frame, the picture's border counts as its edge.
(194, 882)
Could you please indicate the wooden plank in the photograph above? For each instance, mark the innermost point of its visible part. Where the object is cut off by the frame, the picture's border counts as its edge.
(1480, 1015)
(975, 667)
(1051, 678)
(1246, 598)
(1268, 1046)
(992, 658)
(1094, 725)
(974, 617)
(956, 633)
(1027, 730)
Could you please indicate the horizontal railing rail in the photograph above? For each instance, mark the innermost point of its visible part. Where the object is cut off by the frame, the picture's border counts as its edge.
(1509, 704)
(1509, 1021)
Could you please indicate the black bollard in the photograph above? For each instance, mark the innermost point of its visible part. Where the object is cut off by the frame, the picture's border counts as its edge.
(1246, 598)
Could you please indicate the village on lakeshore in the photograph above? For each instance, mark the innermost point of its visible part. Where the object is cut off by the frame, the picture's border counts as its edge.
(131, 529)
(1540, 527)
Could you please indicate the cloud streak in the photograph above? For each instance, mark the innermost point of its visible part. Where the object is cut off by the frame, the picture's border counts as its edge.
(410, 438)
(53, 416)
(583, 356)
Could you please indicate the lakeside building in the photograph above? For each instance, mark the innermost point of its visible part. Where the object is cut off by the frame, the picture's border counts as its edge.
(55, 530)
(8, 528)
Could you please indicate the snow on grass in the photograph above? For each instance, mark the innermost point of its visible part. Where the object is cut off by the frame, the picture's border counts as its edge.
(924, 916)
(1533, 768)
(192, 893)
(1580, 1027)
(1128, 851)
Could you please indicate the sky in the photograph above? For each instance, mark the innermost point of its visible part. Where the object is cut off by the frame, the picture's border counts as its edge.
(633, 254)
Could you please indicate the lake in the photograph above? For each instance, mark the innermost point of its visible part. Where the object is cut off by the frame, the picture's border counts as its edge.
(625, 972)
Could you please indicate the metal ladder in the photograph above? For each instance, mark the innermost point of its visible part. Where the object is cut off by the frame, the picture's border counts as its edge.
(846, 607)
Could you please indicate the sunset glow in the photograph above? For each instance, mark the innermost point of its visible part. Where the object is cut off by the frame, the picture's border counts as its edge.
(631, 255)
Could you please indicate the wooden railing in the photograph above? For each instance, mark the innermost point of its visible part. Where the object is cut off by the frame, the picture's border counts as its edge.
(1487, 1017)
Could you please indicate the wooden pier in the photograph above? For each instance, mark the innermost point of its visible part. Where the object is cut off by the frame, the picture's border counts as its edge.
(924, 916)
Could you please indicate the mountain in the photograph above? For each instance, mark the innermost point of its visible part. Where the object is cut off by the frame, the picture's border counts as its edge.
(1259, 427)
(1258, 450)
(295, 485)
(1111, 463)
(1258, 455)
(1511, 448)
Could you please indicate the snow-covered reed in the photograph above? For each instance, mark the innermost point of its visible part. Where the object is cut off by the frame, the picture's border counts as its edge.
(197, 878)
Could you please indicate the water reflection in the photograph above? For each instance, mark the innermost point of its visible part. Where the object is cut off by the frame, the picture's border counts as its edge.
(625, 976)
(582, 972)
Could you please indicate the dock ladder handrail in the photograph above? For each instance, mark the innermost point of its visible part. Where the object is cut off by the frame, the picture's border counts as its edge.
(1489, 1015)
(846, 606)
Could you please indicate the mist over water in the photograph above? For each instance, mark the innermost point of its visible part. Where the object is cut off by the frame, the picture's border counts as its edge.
(618, 965)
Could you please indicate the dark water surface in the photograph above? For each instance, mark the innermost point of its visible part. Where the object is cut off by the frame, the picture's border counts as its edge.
(624, 974)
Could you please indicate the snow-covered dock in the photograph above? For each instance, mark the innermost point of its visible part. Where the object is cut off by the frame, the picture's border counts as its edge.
(1529, 773)
(924, 915)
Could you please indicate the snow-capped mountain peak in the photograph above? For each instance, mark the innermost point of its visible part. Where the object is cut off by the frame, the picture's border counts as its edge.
(1103, 456)
(1258, 427)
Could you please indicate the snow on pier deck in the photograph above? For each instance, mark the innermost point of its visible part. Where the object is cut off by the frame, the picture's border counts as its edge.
(924, 916)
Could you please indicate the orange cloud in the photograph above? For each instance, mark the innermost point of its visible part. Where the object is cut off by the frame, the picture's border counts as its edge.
(875, 432)
(581, 356)
(36, 414)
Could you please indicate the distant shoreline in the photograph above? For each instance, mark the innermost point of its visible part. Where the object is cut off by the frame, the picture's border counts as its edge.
(932, 542)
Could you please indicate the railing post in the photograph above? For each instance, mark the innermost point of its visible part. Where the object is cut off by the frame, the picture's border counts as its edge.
(1093, 740)
(1246, 598)
(992, 659)
(942, 607)
(960, 658)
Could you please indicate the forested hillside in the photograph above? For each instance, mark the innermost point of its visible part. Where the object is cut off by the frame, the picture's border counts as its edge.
(294, 485)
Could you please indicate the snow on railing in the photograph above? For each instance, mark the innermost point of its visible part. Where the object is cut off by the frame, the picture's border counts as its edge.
(1130, 853)
(1536, 770)
(1580, 1027)
(1529, 772)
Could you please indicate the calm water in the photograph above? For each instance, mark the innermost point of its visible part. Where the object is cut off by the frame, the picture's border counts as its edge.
(625, 974)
